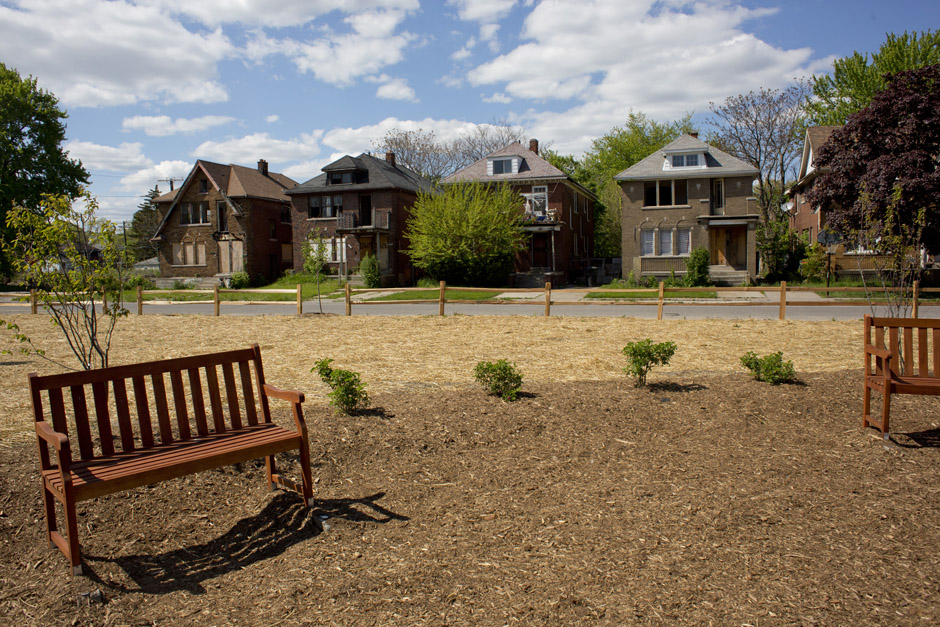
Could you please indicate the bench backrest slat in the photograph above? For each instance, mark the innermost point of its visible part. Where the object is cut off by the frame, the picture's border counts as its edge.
(936, 352)
(199, 406)
(179, 400)
(922, 369)
(124, 414)
(250, 411)
(232, 395)
(914, 344)
(99, 390)
(908, 364)
(172, 401)
(85, 445)
(215, 399)
(163, 412)
(143, 411)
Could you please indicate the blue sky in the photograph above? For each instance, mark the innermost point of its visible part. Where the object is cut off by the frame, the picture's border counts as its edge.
(152, 85)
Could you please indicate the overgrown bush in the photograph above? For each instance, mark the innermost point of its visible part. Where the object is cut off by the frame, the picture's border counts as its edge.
(770, 368)
(696, 268)
(348, 392)
(182, 284)
(500, 378)
(643, 355)
(239, 281)
(143, 282)
(369, 269)
(813, 266)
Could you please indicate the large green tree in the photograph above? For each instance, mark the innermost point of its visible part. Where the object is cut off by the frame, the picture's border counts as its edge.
(468, 234)
(856, 79)
(613, 153)
(880, 183)
(143, 225)
(32, 161)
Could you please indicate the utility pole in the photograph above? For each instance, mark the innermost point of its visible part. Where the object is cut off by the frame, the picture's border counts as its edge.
(170, 181)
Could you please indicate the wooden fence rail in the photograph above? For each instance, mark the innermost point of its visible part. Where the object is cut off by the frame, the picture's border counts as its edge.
(661, 300)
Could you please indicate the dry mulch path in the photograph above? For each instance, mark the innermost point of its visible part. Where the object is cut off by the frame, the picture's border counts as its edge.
(706, 499)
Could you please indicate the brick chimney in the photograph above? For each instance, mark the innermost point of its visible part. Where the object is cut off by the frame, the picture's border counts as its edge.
(263, 166)
(694, 134)
(390, 158)
(534, 145)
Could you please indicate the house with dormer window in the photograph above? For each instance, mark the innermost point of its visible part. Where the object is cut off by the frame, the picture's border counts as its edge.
(805, 219)
(225, 219)
(359, 206)
(559, 213)
(686, 195)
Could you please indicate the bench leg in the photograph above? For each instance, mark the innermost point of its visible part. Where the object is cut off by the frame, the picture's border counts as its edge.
(885, 412)
(866, 408)
(71, 526)
(271, 468)
(48, 502)
(306, 474)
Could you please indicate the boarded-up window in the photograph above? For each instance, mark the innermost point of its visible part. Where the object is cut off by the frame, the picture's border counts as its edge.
(665, 241)
(646, 242)
(287, 253)
(683, 241)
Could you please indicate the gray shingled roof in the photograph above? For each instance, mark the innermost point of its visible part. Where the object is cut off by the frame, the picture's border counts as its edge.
(382, 175)
(532, 167)
(719, 163)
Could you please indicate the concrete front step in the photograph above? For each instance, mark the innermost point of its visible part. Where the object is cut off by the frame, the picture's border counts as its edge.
(726, 276)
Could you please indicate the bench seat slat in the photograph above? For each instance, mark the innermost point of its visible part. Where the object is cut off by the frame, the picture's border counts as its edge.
(128, 470)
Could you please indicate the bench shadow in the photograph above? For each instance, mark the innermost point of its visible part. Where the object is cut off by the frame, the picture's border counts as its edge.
(669, 386)
(283, 523)
(918, 439)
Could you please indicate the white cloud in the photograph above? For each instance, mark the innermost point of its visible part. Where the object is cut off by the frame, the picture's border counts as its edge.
(271, 119)
(484, 11)
(396, 89)
(498, 98)
(250, 148)
(352, 141)
(340, 59)
(145, 178)
(127, 156)
(163, 125)
(663, 59)
(92, 53)
(276, 13)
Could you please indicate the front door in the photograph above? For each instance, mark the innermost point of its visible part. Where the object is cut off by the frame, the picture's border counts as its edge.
(718, 243)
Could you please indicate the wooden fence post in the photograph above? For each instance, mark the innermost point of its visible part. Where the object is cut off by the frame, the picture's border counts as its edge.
(32, 302)
(662, 293)
(140, 300)
(440, 307)
(548, 298)
(300, 301)
(348, 299)
(783, 300)
(215, 298)
(916, 298)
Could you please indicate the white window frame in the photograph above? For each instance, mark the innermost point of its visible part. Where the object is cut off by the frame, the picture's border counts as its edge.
(651, 233)
(688, 241)
(513, 162)
(672, 189)
(661, 235)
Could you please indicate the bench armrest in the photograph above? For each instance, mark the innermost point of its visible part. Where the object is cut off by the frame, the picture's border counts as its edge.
(58, 441)
(883, 353)
(291, 396)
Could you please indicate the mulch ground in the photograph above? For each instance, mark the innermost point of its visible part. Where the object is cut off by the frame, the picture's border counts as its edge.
(705, 499)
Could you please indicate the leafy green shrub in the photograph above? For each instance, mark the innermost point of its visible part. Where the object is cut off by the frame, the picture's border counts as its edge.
(696, 268)
(239, 281)
(369, 269)
(348, 391)
(770, 368)
(136, 280)
(182, 284)
(500, 378)
(813, 266)
(643, 355)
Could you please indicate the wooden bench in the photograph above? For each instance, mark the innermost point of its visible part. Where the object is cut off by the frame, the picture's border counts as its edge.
(215, 422)
(893, 366)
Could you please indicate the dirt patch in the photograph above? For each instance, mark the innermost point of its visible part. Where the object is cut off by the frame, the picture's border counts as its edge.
(707, 498)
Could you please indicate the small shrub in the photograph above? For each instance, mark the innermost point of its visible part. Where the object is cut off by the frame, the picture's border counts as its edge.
(369, 269)
(427, 281)
(182, 284)
(770, 368)
(696, 268)
(239, 281)
(813, 265)
(642, 356)
(500, 378)
(136, 280)
(348, 392)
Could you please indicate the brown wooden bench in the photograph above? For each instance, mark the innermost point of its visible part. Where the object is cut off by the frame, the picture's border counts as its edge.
(902, 356)
(215, 422)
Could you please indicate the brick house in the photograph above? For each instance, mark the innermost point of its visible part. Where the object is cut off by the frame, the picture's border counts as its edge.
(806, 220)
(361, 206)
(683, 196)
(559, 213)
(225, 219)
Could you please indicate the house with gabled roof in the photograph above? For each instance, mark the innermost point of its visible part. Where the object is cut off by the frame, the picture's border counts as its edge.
(686, 195)
(559, 213)
(805, 219)
(225, 219)
(359, 206)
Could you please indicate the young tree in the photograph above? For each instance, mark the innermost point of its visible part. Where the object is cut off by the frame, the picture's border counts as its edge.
(856, 79)
(420, 151)
(143, 225)
(32, 161)
(72, 260)
(468, 234)
(316, 261)
(484, 139)
(882, 187)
